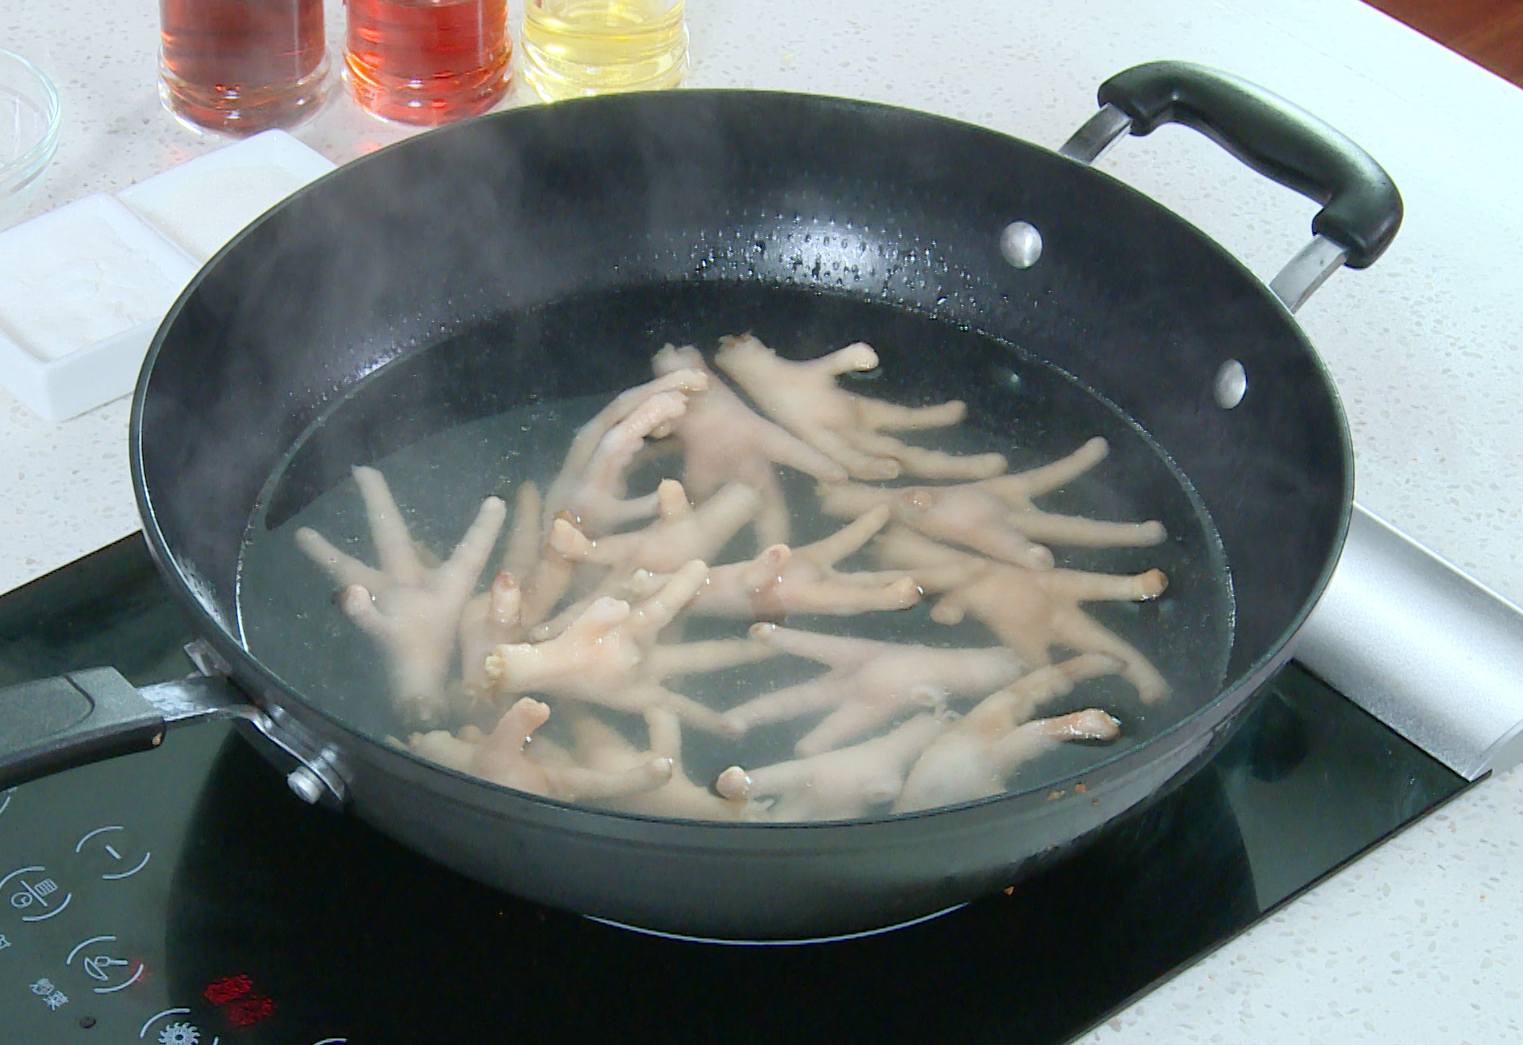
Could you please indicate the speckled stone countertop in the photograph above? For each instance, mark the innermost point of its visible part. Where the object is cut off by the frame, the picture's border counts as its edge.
(1417, 941)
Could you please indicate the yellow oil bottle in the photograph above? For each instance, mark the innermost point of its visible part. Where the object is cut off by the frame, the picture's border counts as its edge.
(572, 48)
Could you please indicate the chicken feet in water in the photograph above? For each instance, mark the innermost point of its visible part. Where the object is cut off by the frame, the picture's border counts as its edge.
(501, 756)
(1029, 610)
(837, 785)
(609, 656)
(600, 746)
(783, 580)
(998, 516)
(975, 757)
(869, 683)
(591, 484)
(723, 439)
(411, 609)
(804, 398)
(680, 534)
(507, 610)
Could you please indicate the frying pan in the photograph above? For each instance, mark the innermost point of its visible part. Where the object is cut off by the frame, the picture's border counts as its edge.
(537, 256)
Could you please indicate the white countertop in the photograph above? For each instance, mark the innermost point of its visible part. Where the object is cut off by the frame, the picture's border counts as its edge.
(1417, 941)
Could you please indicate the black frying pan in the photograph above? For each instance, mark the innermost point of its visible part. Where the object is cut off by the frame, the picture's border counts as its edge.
(538, 256)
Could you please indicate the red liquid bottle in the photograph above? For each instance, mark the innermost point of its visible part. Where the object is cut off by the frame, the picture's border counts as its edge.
(241, 66)
(427, 61)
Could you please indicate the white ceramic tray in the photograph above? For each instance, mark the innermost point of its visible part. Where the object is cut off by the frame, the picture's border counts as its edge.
(83, 288)
(206, 202)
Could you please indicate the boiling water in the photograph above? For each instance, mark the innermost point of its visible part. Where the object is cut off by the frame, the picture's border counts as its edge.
(441, 469)
(581, 47)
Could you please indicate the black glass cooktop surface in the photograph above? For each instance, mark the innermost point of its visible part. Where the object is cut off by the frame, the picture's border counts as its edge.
(185, 897)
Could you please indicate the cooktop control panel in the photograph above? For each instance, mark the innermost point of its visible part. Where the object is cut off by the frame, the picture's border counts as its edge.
(89, 891)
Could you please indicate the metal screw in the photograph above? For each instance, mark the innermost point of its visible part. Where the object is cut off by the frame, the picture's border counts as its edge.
(308, 786)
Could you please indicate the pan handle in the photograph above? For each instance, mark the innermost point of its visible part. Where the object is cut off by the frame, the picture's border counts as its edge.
(81, 717)
(1361, 207)
(86, 716)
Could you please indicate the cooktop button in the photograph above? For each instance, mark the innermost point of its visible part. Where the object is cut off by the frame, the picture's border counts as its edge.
(112, 853)
(33, 891)
(174, 1030)
(109, 970)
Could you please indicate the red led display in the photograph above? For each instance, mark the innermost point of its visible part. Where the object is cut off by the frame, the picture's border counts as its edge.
(229, 988)
(249, 1010)
(235, 997)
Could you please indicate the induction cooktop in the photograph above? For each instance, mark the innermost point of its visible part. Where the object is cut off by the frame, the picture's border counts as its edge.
(185, 896)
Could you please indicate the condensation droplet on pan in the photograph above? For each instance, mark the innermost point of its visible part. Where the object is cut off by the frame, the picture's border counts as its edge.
(1231, 384)
(1021, 244)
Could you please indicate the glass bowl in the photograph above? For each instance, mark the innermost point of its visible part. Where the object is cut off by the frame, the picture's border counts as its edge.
(29, 120)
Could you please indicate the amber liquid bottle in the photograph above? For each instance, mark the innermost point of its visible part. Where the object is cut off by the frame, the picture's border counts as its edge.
(241, 66)
(427, 61)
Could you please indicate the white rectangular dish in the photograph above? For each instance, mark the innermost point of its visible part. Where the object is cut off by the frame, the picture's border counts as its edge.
(203, 204)
(84, 287)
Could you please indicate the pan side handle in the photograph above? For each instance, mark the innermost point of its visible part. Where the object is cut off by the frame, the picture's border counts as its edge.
(84, 716)
(54, 724)
(1361, 207)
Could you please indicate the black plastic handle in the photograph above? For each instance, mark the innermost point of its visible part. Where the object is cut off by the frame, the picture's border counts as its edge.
(1361, 208)
(72, 720)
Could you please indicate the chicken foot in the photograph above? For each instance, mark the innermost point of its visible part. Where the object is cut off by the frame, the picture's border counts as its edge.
(507, 611)
(681, 533)
(869, 683)
(503, 756)
(1029, 610)
(600, 746)
(723, 439)
(998, 516)
(411, 609)
(804, 398)
(609, 656)
(591, 486)
(841, 784)
(783, 580)
(975, 757)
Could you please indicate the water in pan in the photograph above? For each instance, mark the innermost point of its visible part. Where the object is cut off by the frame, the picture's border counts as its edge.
(497, 403)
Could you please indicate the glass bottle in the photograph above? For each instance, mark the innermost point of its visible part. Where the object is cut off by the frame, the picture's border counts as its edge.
(241, 66)
(582, 47)
(427, 61)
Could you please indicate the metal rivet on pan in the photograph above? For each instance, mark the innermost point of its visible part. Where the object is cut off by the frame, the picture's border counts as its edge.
(306, 784)
(1021, 244)
(1231, 384)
